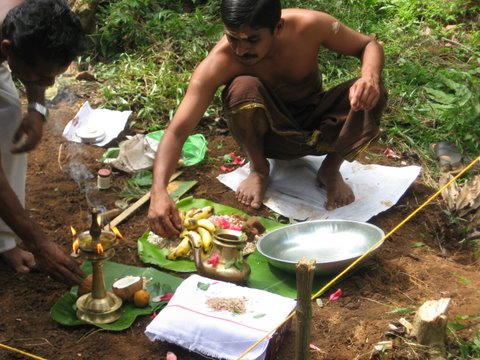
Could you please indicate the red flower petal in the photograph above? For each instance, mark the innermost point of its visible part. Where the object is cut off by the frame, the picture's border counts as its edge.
(213, 260)
(226, 169)
(167, 296)
(336, 295)
(238, 160)
(390, 153)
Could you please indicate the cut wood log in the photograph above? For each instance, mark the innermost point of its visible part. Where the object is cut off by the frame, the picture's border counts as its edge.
(305, 272)
(429, 326)
(132, 208)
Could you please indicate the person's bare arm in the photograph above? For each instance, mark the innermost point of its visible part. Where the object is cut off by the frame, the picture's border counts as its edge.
(163, 215)
(365, 92)
(48, 255)
(29, 133)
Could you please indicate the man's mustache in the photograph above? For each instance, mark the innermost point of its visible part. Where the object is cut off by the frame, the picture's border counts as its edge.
(247, 56)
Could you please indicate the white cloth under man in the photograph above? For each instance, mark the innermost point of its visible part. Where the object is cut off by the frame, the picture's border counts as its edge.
(14, 165)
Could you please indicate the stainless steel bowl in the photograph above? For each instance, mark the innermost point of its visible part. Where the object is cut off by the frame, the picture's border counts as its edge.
(334, 244)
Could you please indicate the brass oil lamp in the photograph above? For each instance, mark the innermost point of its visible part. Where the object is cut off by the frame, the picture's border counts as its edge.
(96, 245)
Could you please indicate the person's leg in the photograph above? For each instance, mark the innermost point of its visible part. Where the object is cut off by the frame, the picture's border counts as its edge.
(15, 168)
(339, 193)
(248, 124)
(248, 129)
(350, 132)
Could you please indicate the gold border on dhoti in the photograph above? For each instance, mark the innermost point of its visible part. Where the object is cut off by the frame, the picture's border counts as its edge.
(237, 109)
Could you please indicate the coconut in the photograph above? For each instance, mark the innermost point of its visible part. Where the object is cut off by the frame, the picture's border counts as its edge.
(127, 286)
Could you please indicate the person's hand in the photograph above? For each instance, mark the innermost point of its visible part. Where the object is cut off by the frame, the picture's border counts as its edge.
(29, 133)
(55, 261)
(364, 94)
(163, 217)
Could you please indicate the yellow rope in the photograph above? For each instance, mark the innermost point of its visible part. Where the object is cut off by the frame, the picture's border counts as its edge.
(336, 278)
(22, 352)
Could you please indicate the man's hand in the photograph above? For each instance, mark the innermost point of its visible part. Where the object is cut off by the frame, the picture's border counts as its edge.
(163, 216)
(53, 260)
(29, 133)
(364, 94)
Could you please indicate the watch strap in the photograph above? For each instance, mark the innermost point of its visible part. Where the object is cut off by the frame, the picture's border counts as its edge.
(41, 109)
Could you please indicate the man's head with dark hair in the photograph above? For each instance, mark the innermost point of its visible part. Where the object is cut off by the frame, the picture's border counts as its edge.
(256, 14)
(44, 30)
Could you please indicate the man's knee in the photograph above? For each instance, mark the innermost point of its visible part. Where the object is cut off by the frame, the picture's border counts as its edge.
(241, 90)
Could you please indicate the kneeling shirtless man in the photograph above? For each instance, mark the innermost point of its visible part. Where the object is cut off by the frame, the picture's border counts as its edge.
(274, 101)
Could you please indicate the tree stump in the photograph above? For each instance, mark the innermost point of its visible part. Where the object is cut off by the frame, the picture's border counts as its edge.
(429, 326)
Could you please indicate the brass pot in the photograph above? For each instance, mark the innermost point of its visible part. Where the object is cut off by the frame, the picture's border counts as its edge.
(225, 260)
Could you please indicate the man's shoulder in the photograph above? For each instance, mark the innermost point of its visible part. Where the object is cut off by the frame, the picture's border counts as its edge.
(219, 66)
(307, 23)
(300, 13)
(222, 56)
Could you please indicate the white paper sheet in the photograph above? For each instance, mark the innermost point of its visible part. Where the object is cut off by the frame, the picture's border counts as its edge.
(293, 191)
(110, 121)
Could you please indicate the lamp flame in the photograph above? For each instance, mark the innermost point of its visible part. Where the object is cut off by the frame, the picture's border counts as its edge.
(75, 244)
(99, 248)
(116, 232)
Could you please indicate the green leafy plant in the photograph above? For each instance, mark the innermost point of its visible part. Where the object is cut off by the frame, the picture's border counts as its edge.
(467, 348)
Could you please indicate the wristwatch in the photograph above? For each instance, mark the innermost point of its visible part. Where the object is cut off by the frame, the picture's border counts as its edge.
(41, 109)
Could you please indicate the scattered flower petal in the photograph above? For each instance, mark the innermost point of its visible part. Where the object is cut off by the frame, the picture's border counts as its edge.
(213, 260)
(336, 295)
(314, 347)
(390, 153)
(166, 297)
(171, 356)
(237, 160)
(226, 168)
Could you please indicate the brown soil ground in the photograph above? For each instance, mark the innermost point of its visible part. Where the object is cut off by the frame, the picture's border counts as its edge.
(404, 275)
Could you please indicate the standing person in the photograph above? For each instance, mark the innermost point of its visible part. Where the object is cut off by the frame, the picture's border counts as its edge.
(274, 101)
(38, 41)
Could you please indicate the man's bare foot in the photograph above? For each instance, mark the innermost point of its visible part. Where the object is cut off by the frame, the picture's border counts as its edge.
(19, 260)
(339, 192)
(251, 191)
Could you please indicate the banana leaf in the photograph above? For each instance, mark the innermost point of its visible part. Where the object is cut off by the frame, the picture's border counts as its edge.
(159, 283)
(263, 276)
(268, 278)
(152, 254)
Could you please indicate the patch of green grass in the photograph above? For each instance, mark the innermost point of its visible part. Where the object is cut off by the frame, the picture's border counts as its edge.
(465, 348)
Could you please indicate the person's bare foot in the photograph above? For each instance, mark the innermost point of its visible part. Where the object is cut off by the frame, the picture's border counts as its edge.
(339, 193)
(19, 260)
(251, 191)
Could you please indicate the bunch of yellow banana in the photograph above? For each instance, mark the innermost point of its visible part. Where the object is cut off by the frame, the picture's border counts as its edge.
(198, 230)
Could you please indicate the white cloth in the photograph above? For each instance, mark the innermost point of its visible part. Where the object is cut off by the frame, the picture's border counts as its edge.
(294, 193)
(14, 166)
(188, 321)
(109, 122)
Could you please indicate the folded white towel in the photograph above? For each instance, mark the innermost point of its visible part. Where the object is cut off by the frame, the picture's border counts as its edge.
(189, 320)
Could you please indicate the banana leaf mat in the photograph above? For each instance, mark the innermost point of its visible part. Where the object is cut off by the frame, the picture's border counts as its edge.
(263, 276)
(159, 283)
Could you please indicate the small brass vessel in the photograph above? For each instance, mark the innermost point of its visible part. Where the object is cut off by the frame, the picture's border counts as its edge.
(225, 260)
